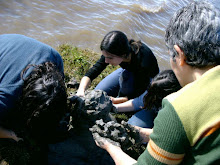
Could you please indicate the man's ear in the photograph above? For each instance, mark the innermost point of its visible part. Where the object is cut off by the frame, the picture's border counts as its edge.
(181, 55)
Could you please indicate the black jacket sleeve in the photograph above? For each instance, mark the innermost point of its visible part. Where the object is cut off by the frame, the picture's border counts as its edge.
(97, 68)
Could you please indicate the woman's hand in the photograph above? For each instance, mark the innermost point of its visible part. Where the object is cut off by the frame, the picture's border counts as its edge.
(5, 133)
(80, 93)
(14, 136)
(112, 147)
(84, 83)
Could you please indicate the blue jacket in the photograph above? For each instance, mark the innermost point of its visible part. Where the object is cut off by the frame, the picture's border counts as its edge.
(16, 52)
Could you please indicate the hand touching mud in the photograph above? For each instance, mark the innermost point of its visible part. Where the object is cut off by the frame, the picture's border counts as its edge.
(123, 134)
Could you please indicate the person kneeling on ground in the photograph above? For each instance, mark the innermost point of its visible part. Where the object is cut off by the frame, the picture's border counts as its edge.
(138, 65)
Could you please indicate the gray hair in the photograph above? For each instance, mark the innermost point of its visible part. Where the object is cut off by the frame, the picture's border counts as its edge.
(196, 30)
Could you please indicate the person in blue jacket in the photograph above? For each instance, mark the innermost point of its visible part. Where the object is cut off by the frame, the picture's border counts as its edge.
(16, 53)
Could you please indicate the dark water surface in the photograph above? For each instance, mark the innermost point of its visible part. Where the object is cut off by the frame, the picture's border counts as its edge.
(84, 23)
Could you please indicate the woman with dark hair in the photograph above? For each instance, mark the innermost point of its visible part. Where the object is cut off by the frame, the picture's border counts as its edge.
(40, 108)
(43, 101)
(138, 67)
(16, 52)
(162, 85)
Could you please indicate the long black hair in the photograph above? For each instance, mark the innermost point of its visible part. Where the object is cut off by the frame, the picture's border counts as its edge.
(162, 85)
(44, 99)
(117, 43)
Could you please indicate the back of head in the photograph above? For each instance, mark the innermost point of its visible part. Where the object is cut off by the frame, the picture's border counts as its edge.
(116, 42)
(44, 99)
(196, 30)
(162, 85)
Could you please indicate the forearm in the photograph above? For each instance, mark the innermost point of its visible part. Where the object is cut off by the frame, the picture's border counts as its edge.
(84, 83)
(125, 107)
(119, 157)
(118, 100)
(5, 133)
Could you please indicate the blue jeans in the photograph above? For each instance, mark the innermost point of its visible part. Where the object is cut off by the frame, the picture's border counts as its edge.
(143, 118)
(118, 82)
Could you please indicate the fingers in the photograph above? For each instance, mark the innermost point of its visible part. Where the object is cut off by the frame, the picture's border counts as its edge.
(96, 129)
(79, 102)
(98, 139)
(116, 134)
(111, 98)
(18, 139)
(113, 132)
(82, 94)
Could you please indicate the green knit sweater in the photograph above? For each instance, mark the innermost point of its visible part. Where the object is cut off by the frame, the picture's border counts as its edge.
(186, 130)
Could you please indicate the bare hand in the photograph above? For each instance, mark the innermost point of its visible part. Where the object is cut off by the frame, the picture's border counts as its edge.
(80, 93)
(15, 137)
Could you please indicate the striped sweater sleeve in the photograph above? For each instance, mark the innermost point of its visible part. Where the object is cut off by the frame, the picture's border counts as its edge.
(168, 141)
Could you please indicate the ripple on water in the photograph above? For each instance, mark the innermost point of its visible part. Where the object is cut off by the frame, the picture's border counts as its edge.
(84, 23)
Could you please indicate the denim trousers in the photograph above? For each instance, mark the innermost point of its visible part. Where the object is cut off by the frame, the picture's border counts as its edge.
(143, 118)
(118, 83)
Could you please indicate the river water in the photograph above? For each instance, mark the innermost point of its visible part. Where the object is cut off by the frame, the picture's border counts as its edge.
(84, 23)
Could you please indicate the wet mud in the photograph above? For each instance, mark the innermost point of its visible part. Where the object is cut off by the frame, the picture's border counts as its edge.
(79, 147)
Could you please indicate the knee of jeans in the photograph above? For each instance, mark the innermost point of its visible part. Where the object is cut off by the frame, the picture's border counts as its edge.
(135, 121)
(126, 75)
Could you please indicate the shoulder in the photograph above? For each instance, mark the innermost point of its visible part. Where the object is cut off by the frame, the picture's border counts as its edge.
(18, 41)
(145, 49)
(168, 142)
(198, 100)
(145, 55)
